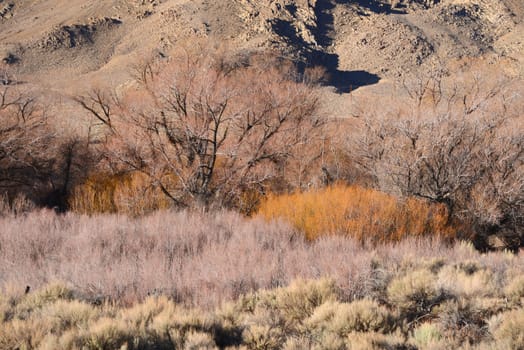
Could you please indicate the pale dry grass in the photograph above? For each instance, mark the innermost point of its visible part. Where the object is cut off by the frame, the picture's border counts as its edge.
(203, 259)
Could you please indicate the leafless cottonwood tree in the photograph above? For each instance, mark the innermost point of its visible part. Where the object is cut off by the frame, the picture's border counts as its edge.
(459, 144)
(35, 161)
(24, 138)
(206, 130)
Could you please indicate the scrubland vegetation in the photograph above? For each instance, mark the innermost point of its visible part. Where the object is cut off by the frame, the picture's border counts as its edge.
(208, 129)
(198, 259)
(209, 204)
(202, 281)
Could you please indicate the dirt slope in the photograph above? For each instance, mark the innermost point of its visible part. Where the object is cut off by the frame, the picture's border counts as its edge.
(63, 44)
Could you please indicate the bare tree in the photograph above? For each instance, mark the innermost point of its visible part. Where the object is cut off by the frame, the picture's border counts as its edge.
(34, 161)
(456, 144)
(205, 130)
(23, 140)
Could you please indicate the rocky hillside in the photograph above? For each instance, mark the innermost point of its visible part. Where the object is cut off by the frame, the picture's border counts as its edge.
(59, 43)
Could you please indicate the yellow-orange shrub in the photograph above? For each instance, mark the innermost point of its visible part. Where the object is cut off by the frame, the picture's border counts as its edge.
(361, 213)
(130, 194)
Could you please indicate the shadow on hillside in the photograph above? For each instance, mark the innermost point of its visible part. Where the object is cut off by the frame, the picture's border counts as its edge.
(376, 6)
(343, 81)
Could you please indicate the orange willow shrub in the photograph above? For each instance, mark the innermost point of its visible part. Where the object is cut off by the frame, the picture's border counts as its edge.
(130, 194)
(360, 213)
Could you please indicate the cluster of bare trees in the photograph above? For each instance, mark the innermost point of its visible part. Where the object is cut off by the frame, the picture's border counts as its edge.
(206, 128)
(456, 143)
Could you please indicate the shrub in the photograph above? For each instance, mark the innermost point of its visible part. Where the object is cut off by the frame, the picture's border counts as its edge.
(329, 341)
(287, 308)
(263, 337)
(415, 293)
(5, 308)
(108, 333)
(376, 341)
(466, 319)
(298, 301)
(298, 343)
(63, 315)
(199, 341)
(510, 331)
(34, 301)
(203, 259)
(359, 213)
(23, 334)
(359, 316)
(158, 322)
(16, 206)
(514, 291)
(142, 315)
(306, 315)
(307, 312)
(10, 297)
(426, 334)
(460, 282)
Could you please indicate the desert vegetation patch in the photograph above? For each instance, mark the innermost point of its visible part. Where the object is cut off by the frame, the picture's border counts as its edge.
(249, 174)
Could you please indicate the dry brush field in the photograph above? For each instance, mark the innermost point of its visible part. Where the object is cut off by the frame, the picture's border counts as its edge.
(212, 205)
(250, 174)
(203, 281)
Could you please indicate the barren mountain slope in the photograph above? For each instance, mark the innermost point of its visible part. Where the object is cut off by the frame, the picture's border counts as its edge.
(58, 43)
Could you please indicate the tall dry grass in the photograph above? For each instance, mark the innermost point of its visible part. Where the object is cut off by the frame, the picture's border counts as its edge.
(129, 194)
(359, 213)
(205, 258)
